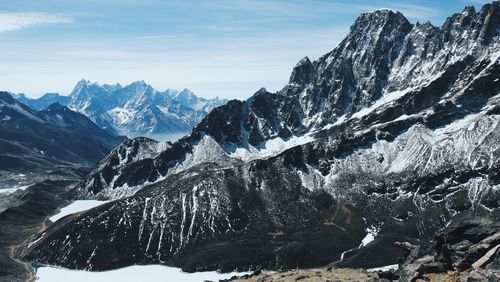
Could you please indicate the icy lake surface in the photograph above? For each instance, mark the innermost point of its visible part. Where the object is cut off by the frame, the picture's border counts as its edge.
(129, 274)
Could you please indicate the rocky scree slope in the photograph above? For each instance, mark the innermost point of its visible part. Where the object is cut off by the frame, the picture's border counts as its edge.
(377, 144)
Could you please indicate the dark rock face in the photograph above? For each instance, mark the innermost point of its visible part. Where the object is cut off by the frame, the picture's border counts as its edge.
(392, 134)
(31, 140)
(303, 73)
(211, 218)
(468, 247)
(268, 116)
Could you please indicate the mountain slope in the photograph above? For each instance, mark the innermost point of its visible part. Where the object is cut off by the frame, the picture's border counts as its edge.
(390, 136)
(32, 140)
(133, 110)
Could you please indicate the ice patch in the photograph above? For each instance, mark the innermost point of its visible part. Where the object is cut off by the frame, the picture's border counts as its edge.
(384, 268)
(76, 206)
(339, 121)
(270, 148)
(380, 102)
(370, 236)
(130, 274)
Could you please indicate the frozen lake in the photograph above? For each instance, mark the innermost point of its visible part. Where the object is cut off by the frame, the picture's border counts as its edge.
(129, 274)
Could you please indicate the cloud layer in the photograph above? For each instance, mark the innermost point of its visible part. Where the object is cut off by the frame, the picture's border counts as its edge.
(17, 21)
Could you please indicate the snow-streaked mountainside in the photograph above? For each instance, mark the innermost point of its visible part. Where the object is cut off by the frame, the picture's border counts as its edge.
(133, 110)
(396, 130)
(42, 140)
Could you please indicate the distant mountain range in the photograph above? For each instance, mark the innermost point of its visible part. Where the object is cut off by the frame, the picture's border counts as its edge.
(133, 110)
(37, 140)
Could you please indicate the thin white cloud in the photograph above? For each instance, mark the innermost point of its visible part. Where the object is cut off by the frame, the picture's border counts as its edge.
(17, 21)
(290, 10)
(479, 2)
(414, 12)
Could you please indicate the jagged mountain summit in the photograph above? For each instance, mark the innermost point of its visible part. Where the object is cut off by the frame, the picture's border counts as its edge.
(38, 140)
(377, 144)
(133, 110)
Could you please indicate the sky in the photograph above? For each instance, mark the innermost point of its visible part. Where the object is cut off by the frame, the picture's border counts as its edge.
(224, 48)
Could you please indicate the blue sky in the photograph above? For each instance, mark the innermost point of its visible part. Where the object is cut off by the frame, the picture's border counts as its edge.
(226, 48)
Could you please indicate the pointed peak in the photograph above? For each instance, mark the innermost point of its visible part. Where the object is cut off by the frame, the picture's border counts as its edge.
(379, 11)
(381, 16)
(372, 24)
(112, 87)
(468, 10)
(261, 91)
(303, 72)
(85, 82)
(423, 26)
(141, 86)
(490, 7)
(18, 95)
(185, 90)
(304, 60)
(383, 12)
(186, 94)
(82, 83)
(79, 86)
(138, 83)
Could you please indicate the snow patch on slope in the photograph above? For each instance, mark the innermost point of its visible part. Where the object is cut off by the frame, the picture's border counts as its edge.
(206, 150)
(14, 189)
(371, 233)
(384, 268)
(384, 100)
(270, 148)
(76, 206)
